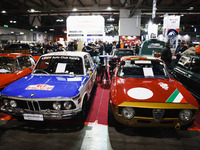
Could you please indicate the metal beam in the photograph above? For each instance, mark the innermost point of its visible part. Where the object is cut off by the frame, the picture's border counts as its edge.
(81, 3)
(136, 7)
(49, 2)
(35, 3)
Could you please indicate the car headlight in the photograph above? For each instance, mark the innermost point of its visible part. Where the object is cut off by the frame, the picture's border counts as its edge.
(185, 115)
(56, 105)
(5, 102)
(128, 112)
(13, 103)
(67, 105)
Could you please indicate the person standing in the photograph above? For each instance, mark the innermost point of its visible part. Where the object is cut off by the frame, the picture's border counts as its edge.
(180, 49)
(166, 55)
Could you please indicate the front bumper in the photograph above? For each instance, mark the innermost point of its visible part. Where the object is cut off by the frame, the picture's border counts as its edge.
(148, 121)
(46, 114)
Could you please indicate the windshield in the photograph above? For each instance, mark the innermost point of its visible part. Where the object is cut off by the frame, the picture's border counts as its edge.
(142, 69)
(71, 65)
(6, 64)
(124, 53)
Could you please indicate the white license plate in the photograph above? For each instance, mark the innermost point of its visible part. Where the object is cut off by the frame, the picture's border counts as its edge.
(34, 117)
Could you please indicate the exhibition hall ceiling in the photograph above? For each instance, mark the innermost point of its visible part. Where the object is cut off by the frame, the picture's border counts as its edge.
(47, 14)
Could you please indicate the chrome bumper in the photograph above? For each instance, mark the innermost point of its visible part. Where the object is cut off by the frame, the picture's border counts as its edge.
(47, 114)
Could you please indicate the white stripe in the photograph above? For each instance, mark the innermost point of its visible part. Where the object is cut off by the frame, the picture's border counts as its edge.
(96, 138)
(178, 98)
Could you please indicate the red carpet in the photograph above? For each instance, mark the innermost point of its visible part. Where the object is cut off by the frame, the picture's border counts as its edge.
(99, 108)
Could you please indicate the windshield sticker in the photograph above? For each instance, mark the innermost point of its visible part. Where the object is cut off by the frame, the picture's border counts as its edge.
(140, 93)
(155, 45)
(148, 72)
(75, 79)
(61, 67)
(40, 87)
(61, 79)
(142, 62)
(163, 85)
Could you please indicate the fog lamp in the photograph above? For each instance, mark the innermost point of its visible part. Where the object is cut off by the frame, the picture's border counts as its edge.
(185, 115)
(56, 105)
(128, 112)
(5, 102)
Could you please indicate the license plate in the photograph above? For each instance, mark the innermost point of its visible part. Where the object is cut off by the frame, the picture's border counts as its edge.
(33, 117)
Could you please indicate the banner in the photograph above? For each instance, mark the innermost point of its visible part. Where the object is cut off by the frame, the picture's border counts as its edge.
(171, 29)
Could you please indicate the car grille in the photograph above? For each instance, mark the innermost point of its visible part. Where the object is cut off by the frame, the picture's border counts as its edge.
(146, 112)
(39, 105)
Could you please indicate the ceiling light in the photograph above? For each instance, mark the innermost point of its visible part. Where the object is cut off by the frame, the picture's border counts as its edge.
(21, 33)
(109, 8)
(3, 11)
(191, 8)
(51, 29)
(74, 9)
(36, 26)
(31, 10)
(12, 32)
(110, 19)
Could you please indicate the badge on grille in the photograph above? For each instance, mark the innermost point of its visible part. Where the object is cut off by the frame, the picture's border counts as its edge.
(158, 114)
(32, 94)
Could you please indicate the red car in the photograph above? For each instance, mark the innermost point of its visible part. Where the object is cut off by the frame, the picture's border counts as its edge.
(143, 94)
(14, 66)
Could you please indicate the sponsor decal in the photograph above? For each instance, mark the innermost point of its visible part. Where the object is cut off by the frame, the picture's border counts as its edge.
(163, 85)
(140, 93)
(40, 87)
(176, 97)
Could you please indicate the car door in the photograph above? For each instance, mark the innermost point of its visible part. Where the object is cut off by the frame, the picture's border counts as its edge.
(181, 70)
(90, 71)
(193, 75)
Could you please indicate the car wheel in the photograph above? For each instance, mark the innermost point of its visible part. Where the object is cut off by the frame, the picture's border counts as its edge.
(82, 115)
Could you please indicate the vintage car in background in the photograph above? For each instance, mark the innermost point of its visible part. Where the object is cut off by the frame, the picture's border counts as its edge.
(36, 49)
(152, 47)
(115, 57)
(17, 48)
(143, 94)
(14, 66)
(58, 88)
(187, 71)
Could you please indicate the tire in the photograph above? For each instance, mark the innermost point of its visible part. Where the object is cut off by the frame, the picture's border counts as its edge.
(82, 115)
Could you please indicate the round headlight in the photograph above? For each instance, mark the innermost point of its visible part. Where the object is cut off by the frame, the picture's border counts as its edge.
(5, 102)
(185, 115)
(67, 105)
(13, 103)
(56, 105)
(128, 112)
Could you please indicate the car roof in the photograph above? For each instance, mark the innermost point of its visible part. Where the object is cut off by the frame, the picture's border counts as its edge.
(14, 55)
(67, 53)
(140, 58)
(123, 49)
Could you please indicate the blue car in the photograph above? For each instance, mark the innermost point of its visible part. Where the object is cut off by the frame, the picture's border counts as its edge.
(58, 88)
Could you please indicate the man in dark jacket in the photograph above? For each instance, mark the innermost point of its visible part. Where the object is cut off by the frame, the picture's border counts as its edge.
(166, 55)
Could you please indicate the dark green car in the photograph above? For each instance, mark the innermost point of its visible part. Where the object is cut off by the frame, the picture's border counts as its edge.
(152, 47)
(187, 72)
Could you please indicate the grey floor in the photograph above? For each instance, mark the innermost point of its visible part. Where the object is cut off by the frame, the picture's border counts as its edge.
(16, 135)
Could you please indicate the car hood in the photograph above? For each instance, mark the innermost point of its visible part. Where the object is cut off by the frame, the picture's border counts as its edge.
(5, 79)
(42, 86)
(148, 90)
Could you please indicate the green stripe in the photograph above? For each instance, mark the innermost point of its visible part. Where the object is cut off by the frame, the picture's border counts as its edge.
(173, 96)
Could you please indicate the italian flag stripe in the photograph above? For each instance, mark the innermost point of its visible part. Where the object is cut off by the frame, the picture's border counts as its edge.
(176, 97)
